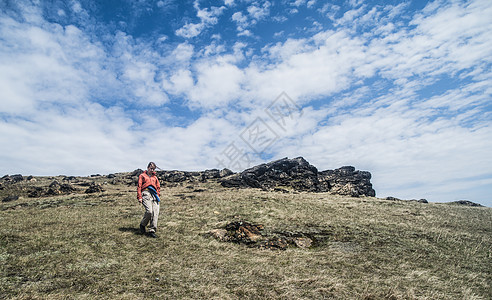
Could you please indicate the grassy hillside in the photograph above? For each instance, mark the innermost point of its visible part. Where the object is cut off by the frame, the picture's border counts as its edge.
(88, 246)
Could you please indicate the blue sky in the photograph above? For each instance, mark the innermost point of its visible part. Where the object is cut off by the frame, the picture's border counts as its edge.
(400, 89)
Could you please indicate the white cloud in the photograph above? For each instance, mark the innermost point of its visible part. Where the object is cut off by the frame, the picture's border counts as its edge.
(218, 83)
(76, 7)
(330, 10)
(190, 30)
(350, 16)
(298, 3)
(42, 65)
(255, 14)
(83, 139)
(180, 82)
(207, 16)
(259, 12)
(311, 3)
(183, 53)
(241, 22)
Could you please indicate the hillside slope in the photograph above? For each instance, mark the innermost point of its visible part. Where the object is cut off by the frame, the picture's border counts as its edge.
(87, 245)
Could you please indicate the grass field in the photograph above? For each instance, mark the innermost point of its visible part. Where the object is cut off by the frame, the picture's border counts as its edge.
(87, 246)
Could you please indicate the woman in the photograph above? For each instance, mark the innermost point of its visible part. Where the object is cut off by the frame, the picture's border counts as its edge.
(148, 192)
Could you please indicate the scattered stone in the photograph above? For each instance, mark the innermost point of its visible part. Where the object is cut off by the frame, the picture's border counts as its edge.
(274, 244)
(242, 232)
(390, 198)
(219, 234)
(183, 176)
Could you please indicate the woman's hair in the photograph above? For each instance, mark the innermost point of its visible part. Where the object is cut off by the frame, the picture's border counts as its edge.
(152, 165)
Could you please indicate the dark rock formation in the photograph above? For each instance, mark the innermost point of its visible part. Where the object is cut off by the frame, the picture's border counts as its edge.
(296, 173)
(299, 175)
(136, 173)
(347, 181)
(35, 192)
(184, 176)
(13, 178)
(94, 188)
(10, 198)
(55, 188)
(465, 203)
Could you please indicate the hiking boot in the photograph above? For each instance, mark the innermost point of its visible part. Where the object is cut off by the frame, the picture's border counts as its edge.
(142, 229)
(152, 235)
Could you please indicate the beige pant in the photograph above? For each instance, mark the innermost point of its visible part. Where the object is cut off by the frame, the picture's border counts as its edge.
(151, 211)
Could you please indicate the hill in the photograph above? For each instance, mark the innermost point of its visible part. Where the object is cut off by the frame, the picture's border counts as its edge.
(77, 237)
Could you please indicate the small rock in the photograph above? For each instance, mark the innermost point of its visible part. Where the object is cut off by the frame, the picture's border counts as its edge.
(94, 188)
(10, 198)
(303, 242)
(274, 244)
(219, 234)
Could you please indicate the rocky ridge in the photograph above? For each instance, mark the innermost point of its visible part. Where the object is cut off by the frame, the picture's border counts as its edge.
(283, 175)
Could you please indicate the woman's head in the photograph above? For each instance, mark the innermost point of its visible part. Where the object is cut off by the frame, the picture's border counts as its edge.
(151, 166)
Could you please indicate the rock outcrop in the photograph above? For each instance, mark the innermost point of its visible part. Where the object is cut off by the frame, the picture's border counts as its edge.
(299, 175)
(347, 181)
(465, 203)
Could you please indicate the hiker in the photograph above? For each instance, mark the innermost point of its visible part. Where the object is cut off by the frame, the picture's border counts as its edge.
(148, 192)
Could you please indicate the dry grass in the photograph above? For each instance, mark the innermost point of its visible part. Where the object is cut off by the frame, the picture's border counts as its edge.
(88, 246)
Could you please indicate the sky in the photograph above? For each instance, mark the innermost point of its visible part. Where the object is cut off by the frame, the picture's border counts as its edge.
(401, 89)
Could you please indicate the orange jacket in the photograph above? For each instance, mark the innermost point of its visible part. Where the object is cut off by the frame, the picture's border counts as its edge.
(144, 181)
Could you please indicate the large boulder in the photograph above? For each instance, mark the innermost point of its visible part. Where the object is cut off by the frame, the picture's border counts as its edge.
(55, 188)
(296, 173)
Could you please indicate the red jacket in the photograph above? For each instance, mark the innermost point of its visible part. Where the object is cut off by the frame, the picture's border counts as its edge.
(144, 180)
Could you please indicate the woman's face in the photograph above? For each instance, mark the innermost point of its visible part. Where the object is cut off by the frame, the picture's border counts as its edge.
(150, 169)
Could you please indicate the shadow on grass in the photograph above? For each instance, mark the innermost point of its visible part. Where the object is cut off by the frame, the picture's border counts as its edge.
(133, 230)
